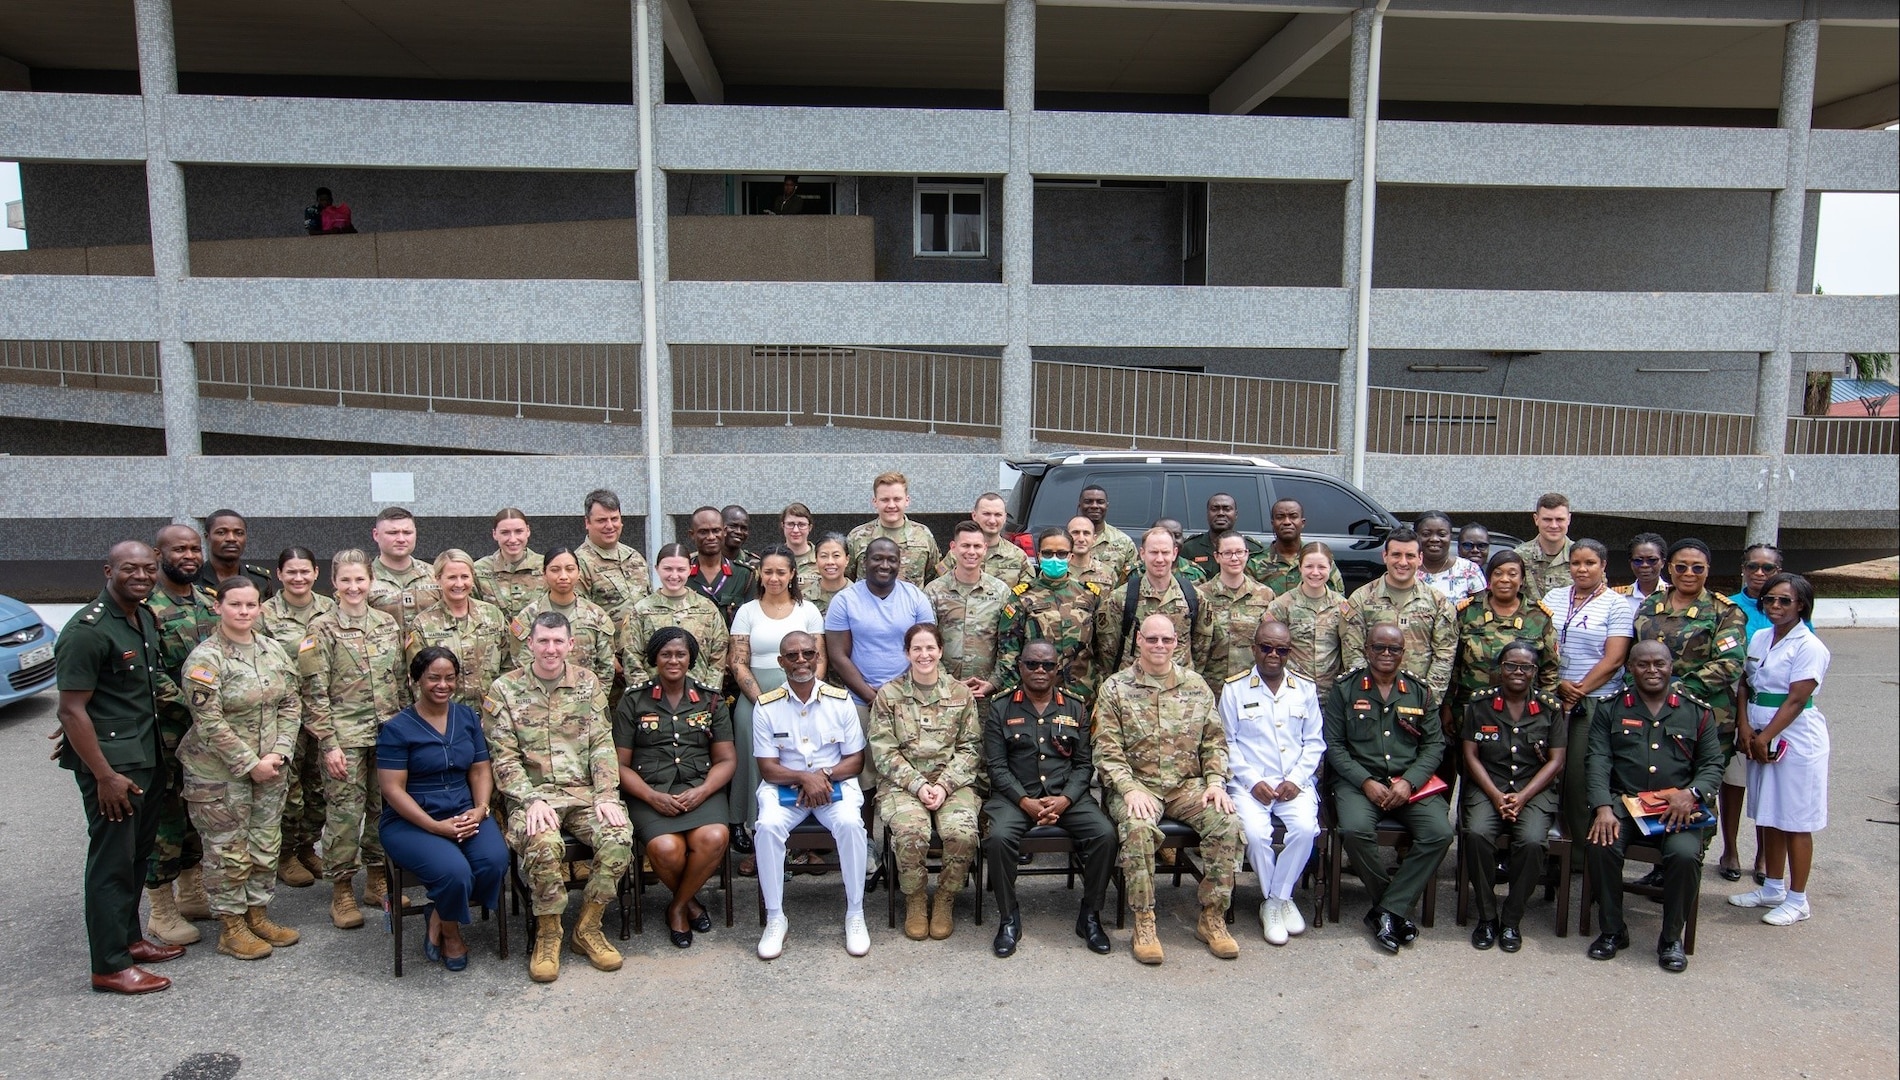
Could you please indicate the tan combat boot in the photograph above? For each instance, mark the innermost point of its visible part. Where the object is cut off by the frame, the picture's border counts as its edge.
(590, 942)
(375, 886)
(237, 939)
(943, 913)
(260, 924)
(344, 914)
(917, 915)
(307, 855)
(164, 923)
(294, 873)
(1147, 946)
(1213, 929)
(190, 891)
(544, 964)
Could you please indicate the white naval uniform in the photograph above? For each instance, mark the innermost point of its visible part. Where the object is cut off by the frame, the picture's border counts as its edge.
(1274, 737)
(805, 736)
(1790, 794)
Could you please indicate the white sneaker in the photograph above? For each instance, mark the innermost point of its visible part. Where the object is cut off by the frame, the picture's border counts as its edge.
(1275, 921)
(1786, 914)
(857, 939)
(1290, 913)
(1757, 898)
(1266, 909)
(772, 942)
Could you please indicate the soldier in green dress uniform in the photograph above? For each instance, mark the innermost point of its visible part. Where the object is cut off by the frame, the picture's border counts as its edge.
(174, 884)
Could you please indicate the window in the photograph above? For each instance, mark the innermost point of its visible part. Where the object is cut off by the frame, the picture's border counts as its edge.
(952, 217)
(1330, 510)
(1197, 488)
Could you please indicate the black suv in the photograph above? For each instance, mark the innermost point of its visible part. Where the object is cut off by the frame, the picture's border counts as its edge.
(1143, 488)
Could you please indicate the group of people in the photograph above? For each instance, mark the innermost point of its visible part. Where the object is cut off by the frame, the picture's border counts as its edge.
(232, 729)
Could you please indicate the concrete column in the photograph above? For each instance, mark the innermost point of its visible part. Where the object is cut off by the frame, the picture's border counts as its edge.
(171, 251)
(1019, 210)
(656, 372)
(1787, 216)
(1349, 433)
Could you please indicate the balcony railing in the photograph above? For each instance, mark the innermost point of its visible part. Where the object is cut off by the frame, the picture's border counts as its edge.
(1142, 408)
(1431, 422)
(801, 385)
(90, 365)
(1843, 435)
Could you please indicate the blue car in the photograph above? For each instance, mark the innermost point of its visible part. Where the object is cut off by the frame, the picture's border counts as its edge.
(26, 652)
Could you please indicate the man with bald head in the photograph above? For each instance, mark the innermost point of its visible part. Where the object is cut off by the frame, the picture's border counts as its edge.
(183, 608)
(110, 678)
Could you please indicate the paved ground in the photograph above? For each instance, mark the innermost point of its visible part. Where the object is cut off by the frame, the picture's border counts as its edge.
(1817, 999)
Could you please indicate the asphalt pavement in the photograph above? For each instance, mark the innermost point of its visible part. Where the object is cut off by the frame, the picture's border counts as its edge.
(1821, 998)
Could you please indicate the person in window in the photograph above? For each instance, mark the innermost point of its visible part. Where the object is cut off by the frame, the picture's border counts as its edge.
(789, 200)
(327, 215)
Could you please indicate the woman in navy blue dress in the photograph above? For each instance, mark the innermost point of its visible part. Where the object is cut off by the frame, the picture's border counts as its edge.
(432, 764)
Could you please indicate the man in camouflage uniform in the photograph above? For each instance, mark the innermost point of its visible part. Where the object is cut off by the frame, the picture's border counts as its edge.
(1277, 566)
(353, 679)
(1002, 559)
(1083, 542)
(969, 604)
(1113, 548)
(174, 883)
(1060, 609)
(1158, 591)
(916, 548)
(1200, 548)
(613, 575)
(554, 763)
(402, 586)
(511, 576)
(1162, 752)
(1429, 620)
(226, 535)
(1229, 615)
(1547, 555)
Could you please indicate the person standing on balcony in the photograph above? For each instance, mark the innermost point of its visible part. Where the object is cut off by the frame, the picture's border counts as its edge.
(1547, 556)
(917, 549)
(510, 577)
(1278, 565)
(327, 216)
(1113, 548)
(1002, 558)
(789, 201)
(1441, 568)
(717, 578)
(738, 530)
(1646, 565)
(401, 586)
(226, 534)
(1200, 549)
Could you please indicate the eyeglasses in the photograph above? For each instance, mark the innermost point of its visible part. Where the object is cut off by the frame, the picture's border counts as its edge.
(1040, 665)
(1229, 553)
(800, 654)
(1054, 553)
(1690, 568)
(1473, 545)
(1273, 650)
(1153, 640)
(1761, 567)
(1518, 669)
(1777, 601)
(1386, 650)
(1645, 560)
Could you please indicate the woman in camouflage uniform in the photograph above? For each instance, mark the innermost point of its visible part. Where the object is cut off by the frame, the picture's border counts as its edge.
(511, 576)
(828, 573)
(675, 605)
(926, 738)
(1232, 607)
(593, 628)
(474, 630)
(1311, 612)
(242, 691)
(286, 619)
(351, 664)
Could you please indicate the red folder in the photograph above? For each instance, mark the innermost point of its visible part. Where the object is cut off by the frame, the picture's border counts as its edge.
(1434, 786)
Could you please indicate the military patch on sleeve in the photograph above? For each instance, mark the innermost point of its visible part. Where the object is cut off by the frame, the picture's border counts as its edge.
(1727, 642)
(203, 675)
(309, 642)
(514, 627)
(490, 705)
(200, 698)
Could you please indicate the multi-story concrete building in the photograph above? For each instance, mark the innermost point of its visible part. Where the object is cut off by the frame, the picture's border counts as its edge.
(1463, 251)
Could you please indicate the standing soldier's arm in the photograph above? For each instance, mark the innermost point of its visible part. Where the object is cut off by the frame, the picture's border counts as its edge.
(1352, 639)
(1345, 767)
(313, 665)
(717, 644)
(602, 662)
(1444, 646)
(1201, 636)
(289, 711)
(1728, 654)
(1108, 632)
(1111, 756)
(203, 681)
(514, 638)
(1009, 646)
(633, 651)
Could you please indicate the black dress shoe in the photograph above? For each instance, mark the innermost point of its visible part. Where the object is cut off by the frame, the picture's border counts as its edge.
(1671, 957)
(1025, 858)
(741, 840)
(1088, 927)
(1606, 946)
(702, 922)
(1408, 930)
(1007, 935)
(1510, 939)
(682, 939)
(1651, 880)
(1485, 934)
(1385, 930)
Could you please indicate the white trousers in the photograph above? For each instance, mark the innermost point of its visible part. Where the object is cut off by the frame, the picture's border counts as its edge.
(1300, 815)
(844, 819)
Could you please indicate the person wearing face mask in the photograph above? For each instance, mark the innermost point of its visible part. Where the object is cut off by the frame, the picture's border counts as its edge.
(1058, 607)
(1441, 567)
(472, 629)
(1646, 566)
(591, 626)
(350, 665)
(510, 577)
(286, 619)
(1310, 610)
(1428, 620)
(673, 604)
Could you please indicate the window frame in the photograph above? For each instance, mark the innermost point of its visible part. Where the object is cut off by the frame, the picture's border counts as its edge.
(951, 187)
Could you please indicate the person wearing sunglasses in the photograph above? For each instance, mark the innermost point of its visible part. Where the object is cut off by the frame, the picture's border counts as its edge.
(1513, 746)
(1036, 745)
(1708, 636)
(1474, 543)
(1058, 607)
(1273, 724)
(1383, 742)
(1646, 568)
(1786, 745)
(1232, 607)
(1759, 563)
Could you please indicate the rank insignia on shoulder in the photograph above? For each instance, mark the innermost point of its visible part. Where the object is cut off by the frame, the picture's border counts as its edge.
(1239, 675)
(831, 691)
(1466, 602)
(202, 674)
(772, 695)
(1021, 588)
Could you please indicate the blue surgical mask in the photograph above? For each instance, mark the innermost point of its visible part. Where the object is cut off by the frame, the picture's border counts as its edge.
(1055, 568)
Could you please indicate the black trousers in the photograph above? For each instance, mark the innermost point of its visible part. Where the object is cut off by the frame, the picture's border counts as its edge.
(1085, 822)
(1682, 876)
(117, 854)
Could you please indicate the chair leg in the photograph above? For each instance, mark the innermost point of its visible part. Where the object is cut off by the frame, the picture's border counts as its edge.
(395, 917)
(1458, 872)
(501, 931)
(1335, 856)
(725, 883)
(976, 876)
(1563, 891)
(629, 908)
(1583, 901)
(1695, 910)
(890, 886)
